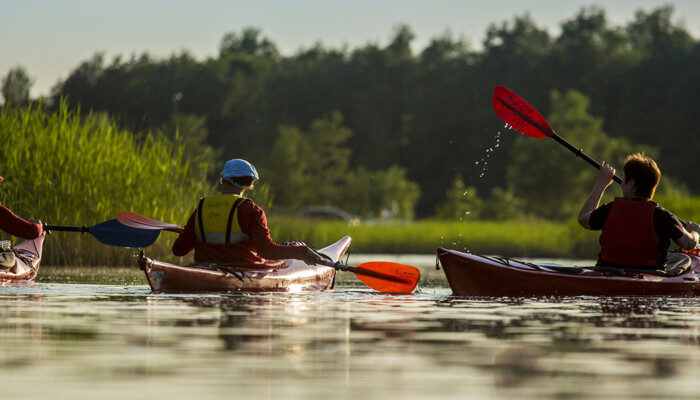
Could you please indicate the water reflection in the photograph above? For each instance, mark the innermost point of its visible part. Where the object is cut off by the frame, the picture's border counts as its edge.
(84, 341)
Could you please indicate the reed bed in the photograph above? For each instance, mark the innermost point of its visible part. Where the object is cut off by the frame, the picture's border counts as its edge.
(65, 169)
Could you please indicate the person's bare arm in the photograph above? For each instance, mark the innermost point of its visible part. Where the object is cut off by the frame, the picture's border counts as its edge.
(605, 177)
(691, 235)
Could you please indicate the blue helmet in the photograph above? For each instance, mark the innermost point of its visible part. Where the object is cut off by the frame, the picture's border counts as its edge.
(237, 168)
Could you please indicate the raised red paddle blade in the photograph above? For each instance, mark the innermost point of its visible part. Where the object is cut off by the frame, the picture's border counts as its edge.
(408, 275)
(134, 220)
(516, 112)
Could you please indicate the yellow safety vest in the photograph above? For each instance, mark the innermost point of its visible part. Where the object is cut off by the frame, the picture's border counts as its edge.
(217, 219)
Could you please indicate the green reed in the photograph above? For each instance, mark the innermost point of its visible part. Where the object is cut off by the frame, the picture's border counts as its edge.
(520, 237)
(529, 238)
(70, 170)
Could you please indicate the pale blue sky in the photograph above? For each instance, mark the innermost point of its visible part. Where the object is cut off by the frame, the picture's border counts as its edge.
(51, 37)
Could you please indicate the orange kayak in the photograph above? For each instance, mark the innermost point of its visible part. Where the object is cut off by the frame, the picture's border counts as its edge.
(27, 262)
(296, 276)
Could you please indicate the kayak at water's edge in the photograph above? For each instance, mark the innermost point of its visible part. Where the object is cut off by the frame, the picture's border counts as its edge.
(294, 277)
(476, 275)
(28, 258)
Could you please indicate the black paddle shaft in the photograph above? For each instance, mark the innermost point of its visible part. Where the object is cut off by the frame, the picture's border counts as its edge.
(581, 154)
(64, 228)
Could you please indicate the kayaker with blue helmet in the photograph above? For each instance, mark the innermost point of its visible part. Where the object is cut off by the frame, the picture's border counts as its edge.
(229, 229)
(636, 231)
(17, 226)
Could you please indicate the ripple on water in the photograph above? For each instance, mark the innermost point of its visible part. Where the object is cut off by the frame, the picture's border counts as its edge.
(114, 341)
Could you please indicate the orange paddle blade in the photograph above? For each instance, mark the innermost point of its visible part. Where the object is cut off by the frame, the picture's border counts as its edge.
(407, 275)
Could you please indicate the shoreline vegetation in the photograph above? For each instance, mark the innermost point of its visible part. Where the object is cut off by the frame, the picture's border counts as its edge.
(72, 170)
(149, 136)
(517, 239)
(524, 239)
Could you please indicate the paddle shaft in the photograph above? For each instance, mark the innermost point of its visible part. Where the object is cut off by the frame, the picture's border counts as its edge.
(549, 132)
(64, 228)
(581, 154)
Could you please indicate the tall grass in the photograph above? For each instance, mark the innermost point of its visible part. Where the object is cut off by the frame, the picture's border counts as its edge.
(508, 238)
(519, 238)
(70, 170)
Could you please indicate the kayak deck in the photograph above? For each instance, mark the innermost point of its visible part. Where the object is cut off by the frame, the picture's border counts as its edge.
(296, 276)
(27, 263)
(476, 275)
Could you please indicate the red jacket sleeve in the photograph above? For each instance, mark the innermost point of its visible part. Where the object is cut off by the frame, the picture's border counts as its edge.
(254, 224)
(187, 239)
(16, 226)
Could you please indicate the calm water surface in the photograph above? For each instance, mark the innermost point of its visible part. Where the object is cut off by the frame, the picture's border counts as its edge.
(119, 341)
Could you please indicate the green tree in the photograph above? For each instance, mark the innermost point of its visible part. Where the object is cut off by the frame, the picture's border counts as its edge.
(308, 168)
(312, 168)
(550, 180)
(385, 194)
(189, 133)
(248, 42)
(502, 205)
(16, 86)
(521, 42)
(655, 32)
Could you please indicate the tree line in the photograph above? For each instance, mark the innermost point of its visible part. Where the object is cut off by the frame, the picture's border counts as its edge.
(383, 127)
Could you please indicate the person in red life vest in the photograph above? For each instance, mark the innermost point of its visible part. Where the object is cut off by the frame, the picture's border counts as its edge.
(231, 230)
(636, 231)
(17, 226)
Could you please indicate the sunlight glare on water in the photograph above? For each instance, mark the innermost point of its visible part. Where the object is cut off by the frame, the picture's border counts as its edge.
(64, 341)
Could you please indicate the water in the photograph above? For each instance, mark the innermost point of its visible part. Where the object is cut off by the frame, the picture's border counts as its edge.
(119, 341)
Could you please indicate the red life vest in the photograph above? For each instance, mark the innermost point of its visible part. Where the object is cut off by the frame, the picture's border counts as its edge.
(628, 236)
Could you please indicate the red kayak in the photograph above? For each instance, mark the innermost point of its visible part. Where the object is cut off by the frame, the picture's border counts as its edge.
(295, 277)
(28, 258)
(476, 275)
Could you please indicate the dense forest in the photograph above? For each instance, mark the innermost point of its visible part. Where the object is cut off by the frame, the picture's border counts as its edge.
(386, 129)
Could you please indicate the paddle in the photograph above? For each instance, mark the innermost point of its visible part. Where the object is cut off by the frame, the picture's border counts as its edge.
(516, 112)
(113, 233)
(138, 221)
(385, 277)
(382, 276)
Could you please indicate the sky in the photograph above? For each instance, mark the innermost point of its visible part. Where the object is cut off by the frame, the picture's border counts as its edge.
(49, 38)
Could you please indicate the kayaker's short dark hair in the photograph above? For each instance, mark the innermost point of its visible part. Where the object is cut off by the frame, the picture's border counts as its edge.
(645, 173)
(241, 181)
